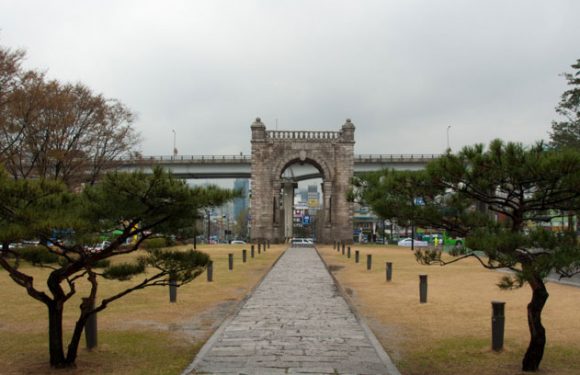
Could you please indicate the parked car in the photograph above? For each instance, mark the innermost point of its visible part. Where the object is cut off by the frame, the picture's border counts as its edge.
(98, 247)
(302, 242)
(237, 242)
(417, 243)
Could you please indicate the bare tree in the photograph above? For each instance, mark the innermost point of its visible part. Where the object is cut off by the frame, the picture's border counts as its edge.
(51, 130)
(9, 76)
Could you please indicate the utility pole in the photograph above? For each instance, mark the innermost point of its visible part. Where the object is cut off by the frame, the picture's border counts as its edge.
(208, 226)
(174, 143)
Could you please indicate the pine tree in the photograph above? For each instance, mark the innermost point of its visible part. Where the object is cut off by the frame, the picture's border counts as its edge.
(495, 197)
(135, 205)
(566, 133)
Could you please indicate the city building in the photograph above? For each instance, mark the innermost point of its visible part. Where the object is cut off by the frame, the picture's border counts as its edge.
(241, 204)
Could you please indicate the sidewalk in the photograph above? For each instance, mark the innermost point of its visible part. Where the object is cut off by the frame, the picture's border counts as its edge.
(295, 322)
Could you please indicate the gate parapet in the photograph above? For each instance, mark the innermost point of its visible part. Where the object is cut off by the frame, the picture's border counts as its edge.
(303, 135)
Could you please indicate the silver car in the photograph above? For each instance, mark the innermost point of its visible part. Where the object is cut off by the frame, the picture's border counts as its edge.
(407, 243)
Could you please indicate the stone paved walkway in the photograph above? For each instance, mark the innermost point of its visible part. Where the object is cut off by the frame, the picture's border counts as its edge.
(295, 322)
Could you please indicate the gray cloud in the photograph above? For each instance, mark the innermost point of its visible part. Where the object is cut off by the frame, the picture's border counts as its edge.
(403, 71)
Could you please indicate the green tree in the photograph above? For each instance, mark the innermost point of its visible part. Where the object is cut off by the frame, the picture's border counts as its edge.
(241, 226)
(566, 133)
(139, 205)
(491, 196)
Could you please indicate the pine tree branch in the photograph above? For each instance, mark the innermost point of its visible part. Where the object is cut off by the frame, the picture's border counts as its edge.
(24, 281)
(144, 284)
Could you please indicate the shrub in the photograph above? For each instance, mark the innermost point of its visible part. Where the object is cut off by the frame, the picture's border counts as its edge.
(103, 263)
(37, 255)
(124, 271)
(154, 243)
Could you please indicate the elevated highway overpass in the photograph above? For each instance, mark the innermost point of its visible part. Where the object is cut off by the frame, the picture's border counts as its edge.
(239, 166)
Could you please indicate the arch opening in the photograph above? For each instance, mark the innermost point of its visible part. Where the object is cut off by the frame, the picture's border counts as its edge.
(301, 199)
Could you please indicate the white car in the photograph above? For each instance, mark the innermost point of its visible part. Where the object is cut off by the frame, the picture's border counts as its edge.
(301, 242)
(417, 243)
(237, 242)
(98, 247)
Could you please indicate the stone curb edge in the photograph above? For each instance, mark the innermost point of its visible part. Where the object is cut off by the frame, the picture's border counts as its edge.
(369, 333)
(213, 338)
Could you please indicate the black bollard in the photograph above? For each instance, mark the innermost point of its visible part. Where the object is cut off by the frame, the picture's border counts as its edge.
(210, 271)
(252, 251)
(343, 245)
(244, 255)
(259, 248)
(91, 326)
(497, 325)
(333, 245)
(369, 262)
(348, 253)
(230, 261)
(389, 271)
(356, 256)
(423, 288)
(172, 289)
(264, 245)
(268, 244)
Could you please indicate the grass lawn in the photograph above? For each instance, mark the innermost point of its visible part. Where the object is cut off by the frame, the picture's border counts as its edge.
(144, 334)
(141, 333)
(451, 333)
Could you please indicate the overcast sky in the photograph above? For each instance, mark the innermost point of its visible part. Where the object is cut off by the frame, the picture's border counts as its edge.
(402, 70)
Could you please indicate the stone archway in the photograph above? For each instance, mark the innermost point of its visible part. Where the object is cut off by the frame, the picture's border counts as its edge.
(331, 152)
(284, 221)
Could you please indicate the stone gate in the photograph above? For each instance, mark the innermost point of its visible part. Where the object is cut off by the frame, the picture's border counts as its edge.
(330, 152)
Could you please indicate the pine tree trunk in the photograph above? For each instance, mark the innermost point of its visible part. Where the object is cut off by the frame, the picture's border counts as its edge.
(73, 346)
(535, 351)
(55, 340)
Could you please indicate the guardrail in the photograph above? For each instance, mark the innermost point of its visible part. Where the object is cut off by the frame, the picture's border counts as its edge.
(377, 158)
(395, 157)
(188, 158)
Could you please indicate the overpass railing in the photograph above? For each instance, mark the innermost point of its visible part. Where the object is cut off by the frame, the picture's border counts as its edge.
(358, 158)
(188, 158)
(387, 158)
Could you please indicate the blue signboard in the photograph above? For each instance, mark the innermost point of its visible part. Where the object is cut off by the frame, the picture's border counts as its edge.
(306, 220)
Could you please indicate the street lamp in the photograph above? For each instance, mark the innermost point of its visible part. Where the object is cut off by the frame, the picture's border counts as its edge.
(208, 226)
(448, 127)
(227, 230)
(174, 146)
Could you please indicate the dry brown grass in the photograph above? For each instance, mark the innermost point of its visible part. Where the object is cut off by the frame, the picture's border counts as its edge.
(141, 333)
(451, 333)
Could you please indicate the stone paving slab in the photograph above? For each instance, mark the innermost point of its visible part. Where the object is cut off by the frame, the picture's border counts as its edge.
(295, 322)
